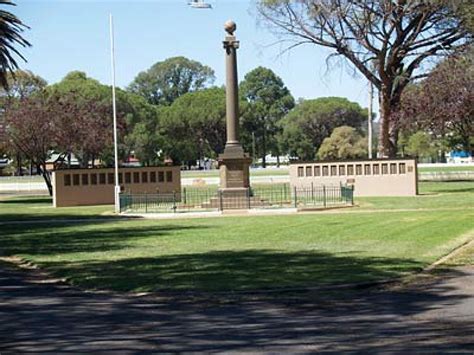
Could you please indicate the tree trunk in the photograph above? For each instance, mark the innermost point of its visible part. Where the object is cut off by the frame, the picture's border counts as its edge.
(47, 177)
(388, 135)
(19, 171)
(442, 156)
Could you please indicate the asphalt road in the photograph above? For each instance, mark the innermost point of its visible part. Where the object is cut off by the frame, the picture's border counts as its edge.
(434, 316)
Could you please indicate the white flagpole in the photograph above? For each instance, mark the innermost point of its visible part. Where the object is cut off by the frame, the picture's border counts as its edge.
(114, 106)
(369, 120)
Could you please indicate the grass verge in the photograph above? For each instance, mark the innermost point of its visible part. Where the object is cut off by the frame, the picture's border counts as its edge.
(235, 253)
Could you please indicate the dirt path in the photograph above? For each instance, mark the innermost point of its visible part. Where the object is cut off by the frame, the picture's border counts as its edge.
(435, 316)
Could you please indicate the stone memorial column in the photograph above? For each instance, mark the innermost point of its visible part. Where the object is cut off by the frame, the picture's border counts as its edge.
(233, 163)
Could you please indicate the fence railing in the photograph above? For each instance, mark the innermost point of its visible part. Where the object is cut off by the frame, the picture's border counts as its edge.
(23, 184)
(446, 176)
(259, 197)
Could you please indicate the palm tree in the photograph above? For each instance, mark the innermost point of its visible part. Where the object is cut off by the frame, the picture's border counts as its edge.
(10, 35)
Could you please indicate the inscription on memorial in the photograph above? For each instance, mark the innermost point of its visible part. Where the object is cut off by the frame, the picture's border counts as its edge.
(234, 178)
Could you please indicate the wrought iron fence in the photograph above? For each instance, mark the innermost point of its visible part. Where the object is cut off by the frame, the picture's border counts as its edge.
(263, 197)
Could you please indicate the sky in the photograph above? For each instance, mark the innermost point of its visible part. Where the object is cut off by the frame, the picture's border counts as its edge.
(72, 35)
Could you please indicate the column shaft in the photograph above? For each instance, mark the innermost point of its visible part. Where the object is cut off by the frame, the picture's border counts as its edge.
(232, 95)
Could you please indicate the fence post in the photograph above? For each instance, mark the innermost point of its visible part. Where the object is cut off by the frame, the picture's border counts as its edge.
(248, 197)
(312, 192)
(221, 207)
(146, 202)
(296, 198)
(184, 198)
(174, 201)
(324, 196)
(352, 195)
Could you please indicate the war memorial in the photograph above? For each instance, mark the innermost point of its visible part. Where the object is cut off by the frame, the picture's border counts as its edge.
(298, 264)
(310, 183)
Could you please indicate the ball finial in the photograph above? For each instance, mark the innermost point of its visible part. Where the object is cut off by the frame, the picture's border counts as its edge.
(230, 27)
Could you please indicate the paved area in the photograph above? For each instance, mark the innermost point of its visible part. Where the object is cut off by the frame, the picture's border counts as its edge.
(434, 316)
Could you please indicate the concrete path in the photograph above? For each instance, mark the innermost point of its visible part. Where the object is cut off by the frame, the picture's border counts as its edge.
(435, 316)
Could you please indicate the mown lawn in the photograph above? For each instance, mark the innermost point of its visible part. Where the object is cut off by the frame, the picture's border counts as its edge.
(384, 238)
(37, 208)
(465, 257)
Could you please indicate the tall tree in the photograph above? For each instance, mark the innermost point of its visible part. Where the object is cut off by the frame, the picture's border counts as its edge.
(82, 126)
(306, 126)
(195, 125)
(421, 146)
(11, 29)
(165, 81)
(21, 84)
(344, 143)
(132, 110)
(386, 41)
(30, 130)
(269, 100)
(443, 103)
(465, 10)
(41, 124)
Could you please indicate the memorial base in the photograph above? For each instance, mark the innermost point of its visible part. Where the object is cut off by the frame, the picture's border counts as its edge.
(234, 172)
(234, 169)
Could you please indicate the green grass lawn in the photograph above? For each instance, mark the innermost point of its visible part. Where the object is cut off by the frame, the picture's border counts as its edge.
(242, 253)
(37, 208)
(465, 257)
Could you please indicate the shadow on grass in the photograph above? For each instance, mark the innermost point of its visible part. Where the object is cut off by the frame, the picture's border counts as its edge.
(459, 190)
(231, 271)
(449, 187)
(42, 239)
(30, 200)
(35, 208)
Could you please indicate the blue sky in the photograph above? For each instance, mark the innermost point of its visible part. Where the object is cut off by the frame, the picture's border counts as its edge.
(73, 35)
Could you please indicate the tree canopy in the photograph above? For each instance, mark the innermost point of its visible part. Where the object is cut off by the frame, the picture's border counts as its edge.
(11, 29)
(269, 100)
(21, 84)
(165, 81)
(420, 145)
(195, 125)
(443, 103)
(306, 126)
(386, 41)
(344, 143)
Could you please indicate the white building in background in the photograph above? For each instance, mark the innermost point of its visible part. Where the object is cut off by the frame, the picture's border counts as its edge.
(459, 157)
(273, 160)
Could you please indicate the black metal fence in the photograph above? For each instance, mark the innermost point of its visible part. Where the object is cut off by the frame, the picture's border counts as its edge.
(260, 196)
